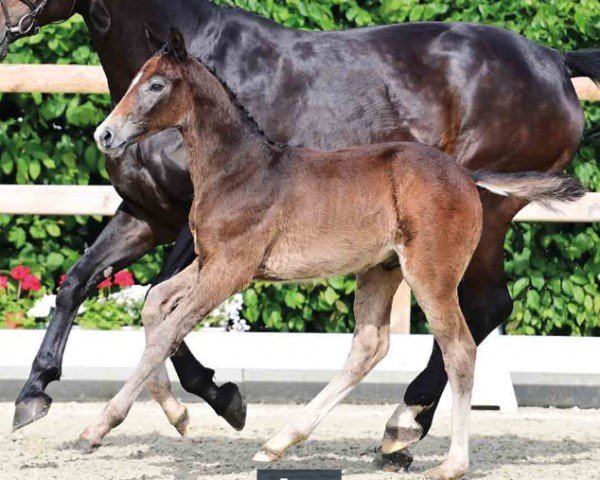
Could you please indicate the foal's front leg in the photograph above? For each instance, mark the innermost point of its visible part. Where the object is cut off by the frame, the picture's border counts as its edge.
(210, 286)
(158, 306)
(372, 305)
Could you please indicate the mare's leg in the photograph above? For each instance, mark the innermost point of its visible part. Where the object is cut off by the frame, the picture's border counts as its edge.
(226, 400)
(124, 240)
(218, 279)
(485, 302)
(374, 293)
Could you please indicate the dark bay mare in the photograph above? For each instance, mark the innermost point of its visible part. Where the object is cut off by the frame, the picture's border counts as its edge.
(488, 97)
(266, 211)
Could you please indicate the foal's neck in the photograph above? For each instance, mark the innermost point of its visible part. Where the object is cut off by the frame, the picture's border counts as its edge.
(221, 139)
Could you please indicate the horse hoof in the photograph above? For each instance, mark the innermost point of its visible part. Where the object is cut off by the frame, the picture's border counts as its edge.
(266, 456)
(400, 438)
(399, 461)
(86, 446)
(31, 409)
(235, 411)
(448, 471)
(183, 424)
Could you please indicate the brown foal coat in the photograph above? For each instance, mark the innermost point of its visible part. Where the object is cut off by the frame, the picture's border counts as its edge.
(263, 211)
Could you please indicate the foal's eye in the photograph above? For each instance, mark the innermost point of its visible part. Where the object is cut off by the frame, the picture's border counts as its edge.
(157, 87)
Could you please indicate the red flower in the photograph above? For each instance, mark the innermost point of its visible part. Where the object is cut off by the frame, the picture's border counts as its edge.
(31, 283)
(3, 281)
(124, 278)
(62, 279)
(14, 319)
(20, 272)
(106, 283)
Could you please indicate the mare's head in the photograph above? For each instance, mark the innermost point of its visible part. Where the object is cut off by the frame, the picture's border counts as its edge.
(159, 97)
(22, 18)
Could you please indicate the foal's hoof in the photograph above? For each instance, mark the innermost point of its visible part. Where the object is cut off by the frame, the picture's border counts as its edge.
(183, 424)
(235, 406)
(265, 455)
(31, 409)
(399, 461)
(447, 471)
(84, 445)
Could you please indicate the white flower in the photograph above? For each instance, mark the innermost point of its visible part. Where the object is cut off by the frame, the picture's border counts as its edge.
(227, 315)
(129, 295)
(42, 308)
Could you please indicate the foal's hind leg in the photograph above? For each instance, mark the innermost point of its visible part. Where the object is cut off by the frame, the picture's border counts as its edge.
(374, 293)
(459, 351)
(485, 303)
(433, 275)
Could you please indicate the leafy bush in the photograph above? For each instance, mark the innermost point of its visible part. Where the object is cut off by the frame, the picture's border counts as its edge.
(553, 269)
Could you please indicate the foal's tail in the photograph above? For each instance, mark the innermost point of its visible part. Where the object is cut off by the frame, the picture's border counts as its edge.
(584, 63)
(531, 186)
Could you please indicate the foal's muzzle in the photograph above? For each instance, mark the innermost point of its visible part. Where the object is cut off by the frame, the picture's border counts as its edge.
(115, 134)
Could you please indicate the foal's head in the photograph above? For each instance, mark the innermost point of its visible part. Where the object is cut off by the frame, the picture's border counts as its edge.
(161, 96)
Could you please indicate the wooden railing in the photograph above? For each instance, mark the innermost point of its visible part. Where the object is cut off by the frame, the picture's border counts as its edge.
(91, 79)
(103, 200)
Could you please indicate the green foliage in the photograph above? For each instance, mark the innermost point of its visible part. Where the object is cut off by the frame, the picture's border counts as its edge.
(553, 269)
(324, 306)
(108, 314)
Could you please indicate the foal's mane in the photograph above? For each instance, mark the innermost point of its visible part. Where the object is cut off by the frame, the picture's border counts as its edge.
(245, 113)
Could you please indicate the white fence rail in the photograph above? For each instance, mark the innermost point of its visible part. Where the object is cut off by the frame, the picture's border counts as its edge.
(91, 79)
(104, 200)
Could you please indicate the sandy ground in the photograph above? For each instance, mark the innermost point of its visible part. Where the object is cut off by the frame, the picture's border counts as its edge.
(531, 444)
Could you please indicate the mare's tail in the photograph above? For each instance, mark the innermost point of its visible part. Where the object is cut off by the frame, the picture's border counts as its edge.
(531, 186)
(584, 63)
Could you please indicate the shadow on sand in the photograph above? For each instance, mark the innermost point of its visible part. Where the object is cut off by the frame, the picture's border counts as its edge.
(191, 458)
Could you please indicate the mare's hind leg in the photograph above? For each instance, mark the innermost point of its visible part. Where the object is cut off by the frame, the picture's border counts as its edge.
(372, 305)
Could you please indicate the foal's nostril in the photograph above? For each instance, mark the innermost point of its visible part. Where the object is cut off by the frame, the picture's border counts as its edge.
(107, 138)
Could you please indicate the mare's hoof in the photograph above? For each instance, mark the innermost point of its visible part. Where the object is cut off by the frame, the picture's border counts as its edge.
(183, 424)
(235, 411)
(400, 438)
(399, 461)
(266, 456)
(84, 445)
(31, 409)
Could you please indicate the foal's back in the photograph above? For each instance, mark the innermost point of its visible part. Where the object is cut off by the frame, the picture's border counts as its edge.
(347, 210)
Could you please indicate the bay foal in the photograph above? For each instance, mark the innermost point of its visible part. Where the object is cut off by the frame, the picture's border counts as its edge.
(263, 211)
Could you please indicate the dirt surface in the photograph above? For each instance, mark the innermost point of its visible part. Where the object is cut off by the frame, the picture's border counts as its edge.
(531, 444)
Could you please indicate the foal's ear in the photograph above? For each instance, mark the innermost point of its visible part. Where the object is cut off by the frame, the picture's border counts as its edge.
(177, 45)
(154, 41)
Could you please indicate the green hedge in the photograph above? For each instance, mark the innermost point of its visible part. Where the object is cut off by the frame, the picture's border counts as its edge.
(553, 269)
